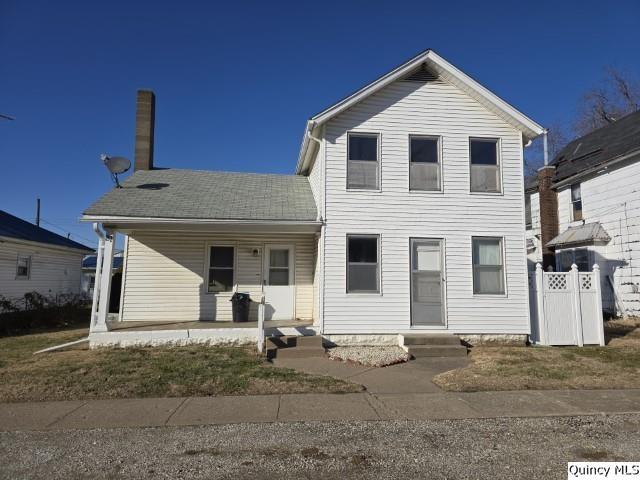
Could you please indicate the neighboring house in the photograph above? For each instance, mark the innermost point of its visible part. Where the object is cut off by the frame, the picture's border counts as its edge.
(35, 259)
(89, 271)
(585, 209)
(405, 214)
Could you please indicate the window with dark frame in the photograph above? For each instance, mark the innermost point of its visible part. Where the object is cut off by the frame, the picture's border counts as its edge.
(363, 272)
(484, 165)
(579, 256)
(576, 202)
(221, 269)
(362, 162)
(23, 267)
(424, 163)
(527, 212)
(488, 266)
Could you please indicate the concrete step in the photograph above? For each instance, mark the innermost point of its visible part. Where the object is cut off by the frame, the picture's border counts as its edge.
(430, 339)
(419, 351)
(292, 341)
(295, 352)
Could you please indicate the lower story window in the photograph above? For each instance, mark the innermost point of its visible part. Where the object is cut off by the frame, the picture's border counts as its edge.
(363, 272)
(488, 266)
(579, 256)
(221, 269)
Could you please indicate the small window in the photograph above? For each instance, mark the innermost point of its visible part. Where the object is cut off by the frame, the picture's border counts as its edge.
(488, 267)
(576, 202)
(527, 212)
(485, 167)
(23, 267)
(362, 264)
(579, 256)
(362, 164)
(221, 274)
(424, 163)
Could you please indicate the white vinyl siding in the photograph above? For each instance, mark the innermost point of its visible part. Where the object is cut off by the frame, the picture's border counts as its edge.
(165, 275)
(398, 215)
(51, 270)
(612, 199)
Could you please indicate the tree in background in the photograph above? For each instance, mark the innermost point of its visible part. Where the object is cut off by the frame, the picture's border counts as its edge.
(617, 96)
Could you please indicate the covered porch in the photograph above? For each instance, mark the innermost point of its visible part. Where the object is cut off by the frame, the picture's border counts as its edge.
(178, 281)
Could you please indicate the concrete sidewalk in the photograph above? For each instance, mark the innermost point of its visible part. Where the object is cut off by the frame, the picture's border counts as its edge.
(153, 412)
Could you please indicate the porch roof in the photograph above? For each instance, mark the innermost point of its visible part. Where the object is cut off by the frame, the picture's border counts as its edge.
(207, 195)
(582, 234)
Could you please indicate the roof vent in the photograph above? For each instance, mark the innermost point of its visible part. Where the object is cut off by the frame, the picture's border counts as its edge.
(421, 74)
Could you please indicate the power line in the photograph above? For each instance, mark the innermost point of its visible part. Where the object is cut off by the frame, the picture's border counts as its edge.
(93, 242)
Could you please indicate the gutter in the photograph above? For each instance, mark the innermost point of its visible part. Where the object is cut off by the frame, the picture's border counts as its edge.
(187, 221)
(305, 145)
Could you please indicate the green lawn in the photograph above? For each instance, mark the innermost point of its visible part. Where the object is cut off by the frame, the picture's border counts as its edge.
(81, 373)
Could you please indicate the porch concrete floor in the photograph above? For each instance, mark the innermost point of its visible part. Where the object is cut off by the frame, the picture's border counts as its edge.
(146, 326)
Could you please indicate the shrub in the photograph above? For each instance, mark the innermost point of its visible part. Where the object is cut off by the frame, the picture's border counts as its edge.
(41, 312)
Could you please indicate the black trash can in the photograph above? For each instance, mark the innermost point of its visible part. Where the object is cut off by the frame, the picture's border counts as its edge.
(240, 303)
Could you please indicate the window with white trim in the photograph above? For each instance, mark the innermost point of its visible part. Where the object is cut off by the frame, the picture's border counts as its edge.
(363, 269)
(23, 267)
(221, 269)
(363, 165)
(485, 165)
(576, 202)
(488, 266)
(424, 163)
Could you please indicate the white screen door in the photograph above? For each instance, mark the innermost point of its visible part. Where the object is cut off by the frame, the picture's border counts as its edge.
(278, 283)
(427, 273)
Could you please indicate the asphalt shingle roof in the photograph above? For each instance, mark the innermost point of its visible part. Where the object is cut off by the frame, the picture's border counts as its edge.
(14, 227)
(598, 147)
(196, 194)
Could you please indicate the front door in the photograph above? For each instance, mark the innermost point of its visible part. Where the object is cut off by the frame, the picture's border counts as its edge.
(278, 283)
(427, 276)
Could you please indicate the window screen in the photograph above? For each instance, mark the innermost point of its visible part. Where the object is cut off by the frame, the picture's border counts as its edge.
(576, 201)
(221, 261)
(485, 170)
(362, 163)
(362, 264)
(424, 167)
(488, 269)
(279, 267)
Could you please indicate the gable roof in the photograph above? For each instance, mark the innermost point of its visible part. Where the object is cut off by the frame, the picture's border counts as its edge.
(606, 144)
(14, 227)
(206, 195)
(444, 70)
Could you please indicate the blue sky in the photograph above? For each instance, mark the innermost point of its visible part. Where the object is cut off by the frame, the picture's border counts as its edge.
(235, 81)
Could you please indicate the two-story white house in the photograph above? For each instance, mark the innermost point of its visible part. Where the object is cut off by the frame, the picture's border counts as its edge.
(405, 214)
(584, 208)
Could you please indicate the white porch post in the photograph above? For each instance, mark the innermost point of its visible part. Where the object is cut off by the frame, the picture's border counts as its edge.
(96, 284)
(542, 324)
(261, 324)
(105, 285)
(575, 298)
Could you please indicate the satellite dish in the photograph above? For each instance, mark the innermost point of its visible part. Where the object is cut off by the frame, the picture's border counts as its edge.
(116, 166)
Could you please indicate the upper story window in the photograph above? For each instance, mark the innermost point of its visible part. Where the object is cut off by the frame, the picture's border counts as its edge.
(363, 272)
(23, 267)
(424, 163)
(221, 269)
(488, 266)
(485, 165)
(576, 202)
(363, 165)
(527, 212)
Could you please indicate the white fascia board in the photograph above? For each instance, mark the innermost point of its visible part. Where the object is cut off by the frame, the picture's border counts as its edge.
(530, 128)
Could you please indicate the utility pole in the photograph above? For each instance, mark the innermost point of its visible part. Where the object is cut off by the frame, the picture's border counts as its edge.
(37, 212)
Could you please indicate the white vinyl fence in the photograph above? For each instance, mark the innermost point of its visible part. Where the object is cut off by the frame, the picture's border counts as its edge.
(566, 307)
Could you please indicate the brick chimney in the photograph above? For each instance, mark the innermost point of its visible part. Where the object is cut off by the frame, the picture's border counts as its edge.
(548, 213)
(145, 123)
